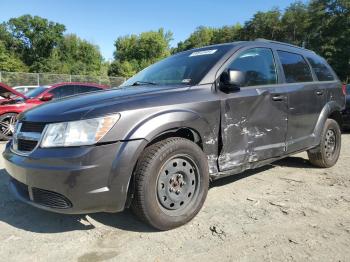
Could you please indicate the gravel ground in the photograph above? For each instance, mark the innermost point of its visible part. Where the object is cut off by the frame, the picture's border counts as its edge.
(288, 211)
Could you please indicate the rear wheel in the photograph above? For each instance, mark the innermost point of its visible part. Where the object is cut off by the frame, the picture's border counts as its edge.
(7, 125)
(327, 153)
(172, 180)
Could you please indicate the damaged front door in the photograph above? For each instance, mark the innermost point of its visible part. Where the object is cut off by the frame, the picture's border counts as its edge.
(253, 119)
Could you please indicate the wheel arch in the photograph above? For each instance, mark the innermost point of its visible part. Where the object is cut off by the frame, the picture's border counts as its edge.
(184, 132)
(9, 112)
(185, 124)
(330, 110)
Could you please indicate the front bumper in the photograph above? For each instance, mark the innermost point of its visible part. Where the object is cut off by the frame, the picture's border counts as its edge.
(74, 180)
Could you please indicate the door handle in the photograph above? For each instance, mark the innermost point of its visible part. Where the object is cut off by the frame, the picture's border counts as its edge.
(278, 98)
(319, 93)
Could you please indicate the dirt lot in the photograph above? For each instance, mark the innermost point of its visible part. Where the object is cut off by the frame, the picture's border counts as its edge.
(288, 211)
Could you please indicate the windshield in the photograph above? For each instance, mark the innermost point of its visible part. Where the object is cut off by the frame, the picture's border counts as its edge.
(185, 68)
(35, 92)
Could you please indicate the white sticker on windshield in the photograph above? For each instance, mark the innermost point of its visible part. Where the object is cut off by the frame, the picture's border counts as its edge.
(205, 52)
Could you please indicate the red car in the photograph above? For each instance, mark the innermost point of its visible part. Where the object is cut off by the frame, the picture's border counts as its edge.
(12, 102)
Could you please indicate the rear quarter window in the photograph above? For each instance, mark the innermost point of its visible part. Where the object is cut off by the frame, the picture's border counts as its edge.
(295, 67)
(320, 68)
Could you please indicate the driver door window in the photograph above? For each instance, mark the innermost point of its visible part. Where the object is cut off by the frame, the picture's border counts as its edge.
(258, 66)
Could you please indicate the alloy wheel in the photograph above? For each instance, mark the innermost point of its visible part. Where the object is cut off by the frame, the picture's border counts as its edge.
(7, 126)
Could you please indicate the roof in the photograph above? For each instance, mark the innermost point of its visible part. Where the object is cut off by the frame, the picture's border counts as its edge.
(261, 40)
(280, 43)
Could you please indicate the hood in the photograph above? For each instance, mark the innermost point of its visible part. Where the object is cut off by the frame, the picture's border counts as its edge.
(7, 92)
(100, 103)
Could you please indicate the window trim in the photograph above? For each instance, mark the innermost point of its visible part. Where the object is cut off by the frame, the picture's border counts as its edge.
(307, 62)
(324, 62)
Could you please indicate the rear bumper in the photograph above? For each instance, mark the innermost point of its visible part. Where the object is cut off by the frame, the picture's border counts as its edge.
(74, 180)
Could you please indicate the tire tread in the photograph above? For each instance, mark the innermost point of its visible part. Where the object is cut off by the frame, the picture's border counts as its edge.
(315, 155)
(140, 175)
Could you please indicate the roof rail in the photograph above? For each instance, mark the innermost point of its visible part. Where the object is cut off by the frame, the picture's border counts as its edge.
(280, 43)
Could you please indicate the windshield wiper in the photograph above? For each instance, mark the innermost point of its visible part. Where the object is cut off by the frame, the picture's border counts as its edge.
(139, 83)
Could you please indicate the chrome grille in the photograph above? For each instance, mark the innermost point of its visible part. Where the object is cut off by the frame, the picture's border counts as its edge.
(26, 145)
(32, 127)
(27, 136)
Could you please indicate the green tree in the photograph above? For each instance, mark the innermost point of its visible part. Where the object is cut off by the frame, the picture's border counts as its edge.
(295, 23)
(264, 25)
(227, 34)
(123, 68)
(6, 38)
(10, 62)
(135, 52)
(202, 36)
(330, 33)
(34, 38)
(320, 25)
(74, 55)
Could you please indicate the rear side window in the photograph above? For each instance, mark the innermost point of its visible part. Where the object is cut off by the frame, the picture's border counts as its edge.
(322, 71)
(62, 91)
(85, 89)
(295, 67)
(258, 65)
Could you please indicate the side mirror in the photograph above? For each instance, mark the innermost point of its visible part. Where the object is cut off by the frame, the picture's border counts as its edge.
(232, 80)
(46, 97)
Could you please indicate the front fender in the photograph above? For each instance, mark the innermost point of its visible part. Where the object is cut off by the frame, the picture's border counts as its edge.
(158, 123)
(153, 125)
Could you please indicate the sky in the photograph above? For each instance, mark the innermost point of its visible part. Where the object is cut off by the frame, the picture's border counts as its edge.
(102, 22)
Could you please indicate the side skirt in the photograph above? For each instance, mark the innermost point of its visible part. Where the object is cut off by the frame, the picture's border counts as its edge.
(253, 165)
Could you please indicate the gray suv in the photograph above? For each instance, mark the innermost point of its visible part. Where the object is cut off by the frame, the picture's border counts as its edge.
(155, 143)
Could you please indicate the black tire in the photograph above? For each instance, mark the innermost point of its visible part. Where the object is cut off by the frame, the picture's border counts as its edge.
(7, 122)
(172, 180)
(327, 153)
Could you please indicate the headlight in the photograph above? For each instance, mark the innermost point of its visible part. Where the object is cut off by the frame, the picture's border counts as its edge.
(78, 133)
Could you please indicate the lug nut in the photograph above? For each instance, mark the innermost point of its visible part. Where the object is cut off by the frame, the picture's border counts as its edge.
(177, 192)
(182, 183)
(179, 176)
(171, 189)
(171, 180)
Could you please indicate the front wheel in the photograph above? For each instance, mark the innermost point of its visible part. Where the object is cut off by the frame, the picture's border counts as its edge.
(7, 125)
(172, 180)
(327, 153)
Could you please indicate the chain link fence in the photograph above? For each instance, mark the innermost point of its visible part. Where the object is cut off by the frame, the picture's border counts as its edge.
(41, 79)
